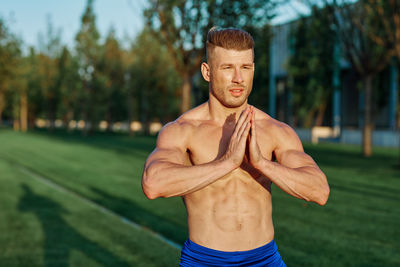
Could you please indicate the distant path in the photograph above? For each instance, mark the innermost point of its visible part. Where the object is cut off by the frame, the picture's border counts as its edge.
(93, 204)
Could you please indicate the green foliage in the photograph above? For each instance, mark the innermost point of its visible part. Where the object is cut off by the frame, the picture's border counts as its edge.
(311, 63)
(259, 95)
(35, 95)
(101, 80)
(87, 48)
(48, 67)
(111, 69)
(153, 80)
(70, 85)
(10, 54)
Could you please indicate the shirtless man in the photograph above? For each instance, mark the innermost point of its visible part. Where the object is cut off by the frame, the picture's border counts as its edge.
(219, 157)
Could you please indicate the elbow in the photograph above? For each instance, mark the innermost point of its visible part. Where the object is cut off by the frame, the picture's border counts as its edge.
(149, 194)
(323, 196)
(149, 187)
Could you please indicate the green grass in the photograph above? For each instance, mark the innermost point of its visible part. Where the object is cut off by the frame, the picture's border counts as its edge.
(41, 226)
(358, 227)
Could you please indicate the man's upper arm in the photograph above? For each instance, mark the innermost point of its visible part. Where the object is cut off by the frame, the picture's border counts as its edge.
(289, 150)
(171, 145)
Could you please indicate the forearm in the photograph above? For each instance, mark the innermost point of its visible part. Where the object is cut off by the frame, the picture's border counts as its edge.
(308, 182)
(165, 179)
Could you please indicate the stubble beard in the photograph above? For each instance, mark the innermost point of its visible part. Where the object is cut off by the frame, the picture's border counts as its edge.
(224, 98)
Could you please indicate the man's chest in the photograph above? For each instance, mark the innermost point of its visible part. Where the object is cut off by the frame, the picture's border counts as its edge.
(210, 143)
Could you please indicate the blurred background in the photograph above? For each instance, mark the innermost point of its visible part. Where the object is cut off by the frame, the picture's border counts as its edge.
(85, 86)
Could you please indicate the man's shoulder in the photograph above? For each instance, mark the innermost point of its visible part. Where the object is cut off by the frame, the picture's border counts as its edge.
(185, 124)
(273, 126)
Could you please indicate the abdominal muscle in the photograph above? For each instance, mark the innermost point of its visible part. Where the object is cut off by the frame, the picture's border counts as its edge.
(232, 214)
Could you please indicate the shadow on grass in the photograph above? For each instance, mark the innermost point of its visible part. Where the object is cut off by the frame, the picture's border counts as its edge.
(60, 239)
(146, 218)
(372, 191)
(350, 157)
(118, 142)
(328, 154)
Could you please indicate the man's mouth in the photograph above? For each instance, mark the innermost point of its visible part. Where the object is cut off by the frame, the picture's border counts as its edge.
(236, 91)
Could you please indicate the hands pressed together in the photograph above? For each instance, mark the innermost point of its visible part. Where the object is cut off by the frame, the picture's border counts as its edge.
(244, 135)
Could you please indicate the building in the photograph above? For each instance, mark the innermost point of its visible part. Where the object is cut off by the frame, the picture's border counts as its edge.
(344, 118)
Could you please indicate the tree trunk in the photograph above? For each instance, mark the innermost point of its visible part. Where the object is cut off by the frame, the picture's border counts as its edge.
(309, 118)
(320, 114)
(16, 112)
(51, 116)
(2, 105)
(186, 93)
(109, 122)
(31, 120)
(368, 125)
(16, 125)
(67, 119)
(23, 112)
(85, 112)
(130, 113)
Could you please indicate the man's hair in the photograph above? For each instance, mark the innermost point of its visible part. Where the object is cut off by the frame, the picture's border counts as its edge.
(229, 38)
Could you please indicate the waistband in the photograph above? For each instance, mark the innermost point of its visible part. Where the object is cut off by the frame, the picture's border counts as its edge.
(196, 255)
(268, 248)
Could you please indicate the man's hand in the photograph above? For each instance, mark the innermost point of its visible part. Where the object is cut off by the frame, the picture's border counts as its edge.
(237, 145)
(254, 150)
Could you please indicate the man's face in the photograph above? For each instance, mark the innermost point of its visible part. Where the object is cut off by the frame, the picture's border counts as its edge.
(231, 75)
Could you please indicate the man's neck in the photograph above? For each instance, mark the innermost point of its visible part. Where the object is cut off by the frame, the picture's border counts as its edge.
(222, 114)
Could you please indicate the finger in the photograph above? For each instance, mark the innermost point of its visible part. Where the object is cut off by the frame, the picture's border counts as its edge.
(242, 128)
(245, 132)
(244, 125)
(253, 123)
(243, 116)
(241, 124)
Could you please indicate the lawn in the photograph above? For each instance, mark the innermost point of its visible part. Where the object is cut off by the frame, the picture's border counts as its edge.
(41, 226)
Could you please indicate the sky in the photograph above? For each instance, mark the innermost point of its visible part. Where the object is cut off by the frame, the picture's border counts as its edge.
(27, 18)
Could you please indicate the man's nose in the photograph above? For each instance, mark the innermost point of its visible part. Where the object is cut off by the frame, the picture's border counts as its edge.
(237, 76)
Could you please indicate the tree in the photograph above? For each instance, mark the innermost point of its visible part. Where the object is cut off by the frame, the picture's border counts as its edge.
(153, 81)
(365, 56)
(35, 93)
(49, 54)
(10, 51)
(310, 66)
(386, 15)
(69, 83)
(182, 26)
(353, 21)
(259, 95)
(111, 68)
(20, 92)
(87, 48)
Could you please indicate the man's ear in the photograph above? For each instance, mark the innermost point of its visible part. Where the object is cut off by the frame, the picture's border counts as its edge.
(205, 71)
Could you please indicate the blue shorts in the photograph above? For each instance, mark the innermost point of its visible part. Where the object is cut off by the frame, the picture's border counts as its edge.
(195, 255)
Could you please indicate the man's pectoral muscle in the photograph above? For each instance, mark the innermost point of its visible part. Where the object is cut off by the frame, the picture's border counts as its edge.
(166, 172)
